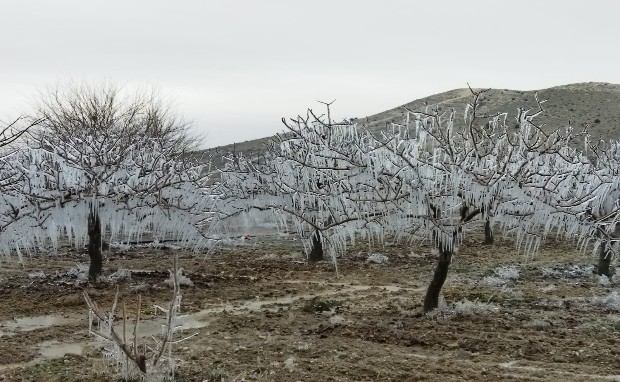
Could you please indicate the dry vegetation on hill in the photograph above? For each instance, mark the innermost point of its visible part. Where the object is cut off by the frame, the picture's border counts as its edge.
(595, 104)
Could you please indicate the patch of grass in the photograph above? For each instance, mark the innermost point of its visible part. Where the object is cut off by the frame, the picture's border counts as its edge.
(317, 305)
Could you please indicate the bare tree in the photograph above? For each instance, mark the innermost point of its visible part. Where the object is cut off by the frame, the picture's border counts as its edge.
(13, 131)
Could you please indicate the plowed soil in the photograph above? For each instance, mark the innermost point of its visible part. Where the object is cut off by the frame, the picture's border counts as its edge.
(260, 312)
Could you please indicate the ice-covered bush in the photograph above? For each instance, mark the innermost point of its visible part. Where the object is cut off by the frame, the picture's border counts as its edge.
(464, 307)
(132, 357)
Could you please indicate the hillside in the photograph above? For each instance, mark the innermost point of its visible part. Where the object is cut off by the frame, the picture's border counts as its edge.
(596, 104)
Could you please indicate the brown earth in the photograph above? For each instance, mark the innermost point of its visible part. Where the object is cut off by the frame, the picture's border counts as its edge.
(255, 317)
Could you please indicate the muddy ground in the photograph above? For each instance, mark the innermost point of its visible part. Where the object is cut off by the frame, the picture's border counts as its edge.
(262, 313)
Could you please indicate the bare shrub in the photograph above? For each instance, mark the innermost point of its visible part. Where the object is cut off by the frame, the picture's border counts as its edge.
(133, 358)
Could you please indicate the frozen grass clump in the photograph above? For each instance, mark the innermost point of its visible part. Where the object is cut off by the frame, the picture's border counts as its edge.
(611, 301)
(377, 258)
(337, 319)
(36, 275)
(120, 247)
(181, 279)
(502, 276)
(569, 272)
(80, 272)
(119, 275)
(463, 308)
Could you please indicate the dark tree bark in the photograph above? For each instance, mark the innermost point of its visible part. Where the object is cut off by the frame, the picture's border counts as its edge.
(431, 301)
(488, 233)
(316, 253)
(94, 246)
(604, 260)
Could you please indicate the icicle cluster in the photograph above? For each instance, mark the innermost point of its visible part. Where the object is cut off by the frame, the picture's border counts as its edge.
(135, 189)
(425, 179)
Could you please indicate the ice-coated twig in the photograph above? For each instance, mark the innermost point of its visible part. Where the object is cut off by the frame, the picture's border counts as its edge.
(151, 357)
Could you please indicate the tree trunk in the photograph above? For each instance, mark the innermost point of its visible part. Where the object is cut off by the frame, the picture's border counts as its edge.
(94, 246)
(431, 301)
(316, 253)
(604, 260)
(488, 233)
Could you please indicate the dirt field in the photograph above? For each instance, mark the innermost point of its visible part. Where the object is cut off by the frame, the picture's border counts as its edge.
(261, 313)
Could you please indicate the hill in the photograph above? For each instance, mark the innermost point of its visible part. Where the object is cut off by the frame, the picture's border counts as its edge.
(595, 104)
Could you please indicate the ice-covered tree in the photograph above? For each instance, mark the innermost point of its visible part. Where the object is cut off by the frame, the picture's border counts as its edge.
(106, 163)
(10, 178)
(426, 178)
(286, 183)
(603, 214)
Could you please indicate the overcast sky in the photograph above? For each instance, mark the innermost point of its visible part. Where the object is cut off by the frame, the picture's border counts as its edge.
(235, 68)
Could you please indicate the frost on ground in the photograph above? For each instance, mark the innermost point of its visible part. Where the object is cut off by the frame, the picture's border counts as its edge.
(120, 247)
(606, 280)
(80, 272)
(463, 308)
(502, 276)
(36, 275)
(569, 272)
(611, 301)
(181, 279)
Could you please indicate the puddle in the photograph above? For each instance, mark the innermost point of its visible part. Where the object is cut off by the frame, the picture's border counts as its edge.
(197, 320)
(48, 350)
(275, 304)
(55, 349)
(154, 326)
(26, 324)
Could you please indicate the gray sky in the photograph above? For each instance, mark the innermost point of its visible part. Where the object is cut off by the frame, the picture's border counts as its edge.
(236, 67)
